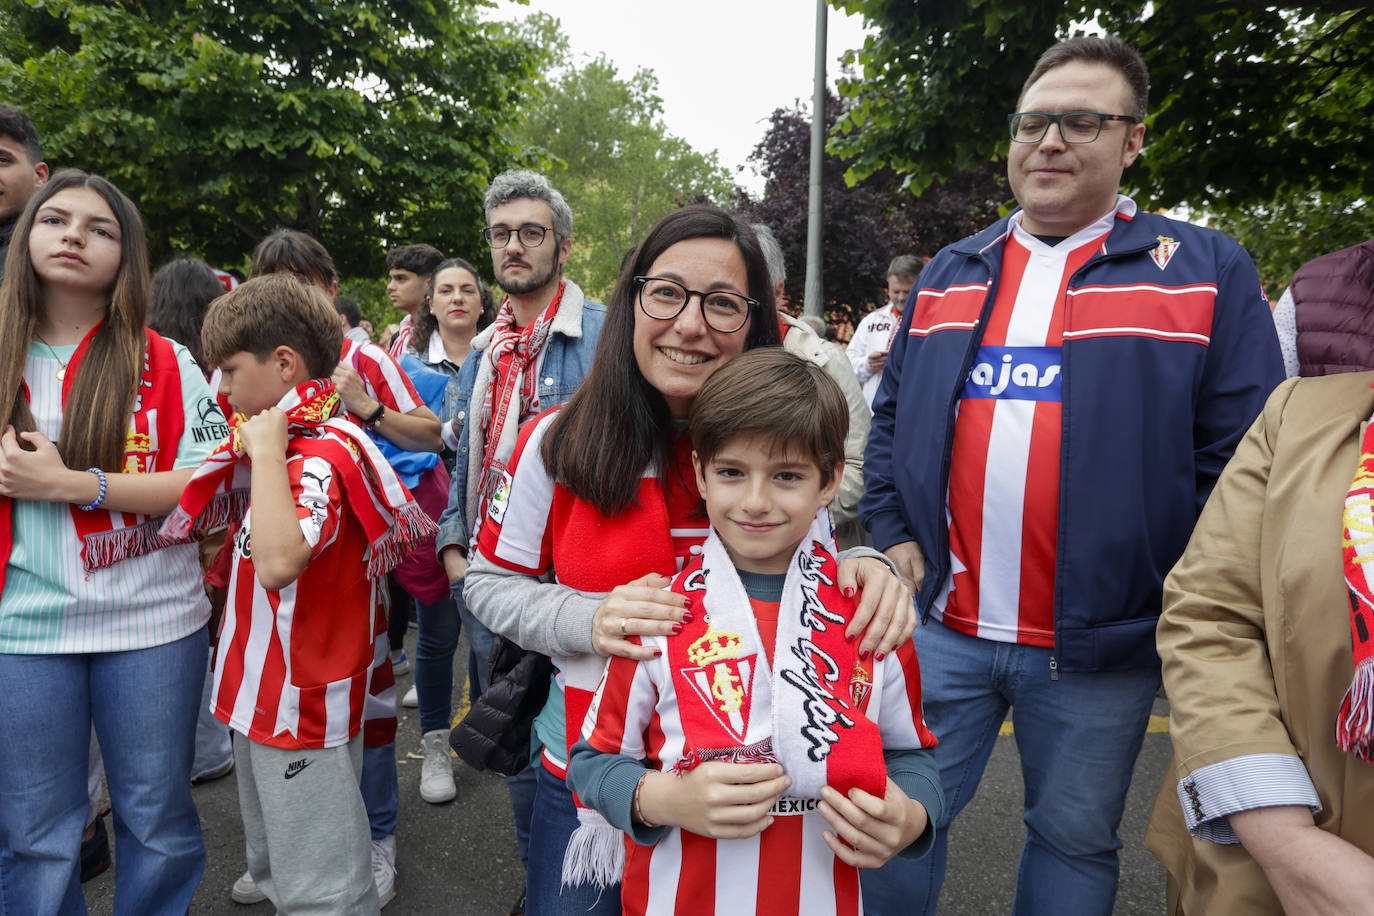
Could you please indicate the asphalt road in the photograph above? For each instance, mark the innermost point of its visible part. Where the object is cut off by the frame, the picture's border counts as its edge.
(461, 858)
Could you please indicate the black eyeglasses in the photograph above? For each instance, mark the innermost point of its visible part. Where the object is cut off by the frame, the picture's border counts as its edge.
(531, 235)
(724, 311)
(1074, 126)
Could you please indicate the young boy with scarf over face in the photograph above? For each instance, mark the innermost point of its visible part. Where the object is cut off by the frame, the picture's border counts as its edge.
(318, 517)
(757, 761)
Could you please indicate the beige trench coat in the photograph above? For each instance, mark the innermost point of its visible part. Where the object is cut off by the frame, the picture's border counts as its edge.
(1255, 635)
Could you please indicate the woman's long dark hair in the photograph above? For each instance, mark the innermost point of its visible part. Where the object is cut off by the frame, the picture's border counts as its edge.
(425, 322)
(95, 419)
(617, 423)
(183, 289)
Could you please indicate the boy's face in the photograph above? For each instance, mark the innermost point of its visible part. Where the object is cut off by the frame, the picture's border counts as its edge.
(406, 289)
(19, 177)
(762, 501)
(252, 385)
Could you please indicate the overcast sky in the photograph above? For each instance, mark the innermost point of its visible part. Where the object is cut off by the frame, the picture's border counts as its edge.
(723, 66)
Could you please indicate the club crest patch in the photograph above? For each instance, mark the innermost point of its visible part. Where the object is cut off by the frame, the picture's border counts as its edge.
(860, 686)
(722, 678)
(1163, 253)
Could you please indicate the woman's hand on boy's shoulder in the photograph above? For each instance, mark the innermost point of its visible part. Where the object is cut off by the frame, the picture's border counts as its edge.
(264, 434)
(869, 830)
(884, 614)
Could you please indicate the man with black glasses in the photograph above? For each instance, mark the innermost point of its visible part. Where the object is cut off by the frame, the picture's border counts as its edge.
(531, 358)
(1063, 391)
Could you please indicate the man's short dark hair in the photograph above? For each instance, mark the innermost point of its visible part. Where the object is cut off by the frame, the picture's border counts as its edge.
(273, 311)
(294, 252)
(1094, 49)
(349, 310)
(775, 396)
(418, 259)
(17, 126)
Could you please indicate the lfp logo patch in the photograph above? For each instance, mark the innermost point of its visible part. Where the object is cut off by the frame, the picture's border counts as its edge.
(1015, 374)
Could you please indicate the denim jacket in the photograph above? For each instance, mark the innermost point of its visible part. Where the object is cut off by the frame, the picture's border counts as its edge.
(565, 362)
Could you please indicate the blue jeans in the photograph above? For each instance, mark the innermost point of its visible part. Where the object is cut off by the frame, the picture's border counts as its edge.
(381, 790)
(440, 624)
(551, 826)
(143, 705)
(1077, 737)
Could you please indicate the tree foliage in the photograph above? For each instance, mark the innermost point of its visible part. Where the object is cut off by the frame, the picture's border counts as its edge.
(607, 149)
(1250, 102)
(867, 223)
(365, 123)
(1283, 235)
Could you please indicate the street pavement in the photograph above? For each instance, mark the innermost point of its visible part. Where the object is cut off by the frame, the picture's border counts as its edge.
(462, 859)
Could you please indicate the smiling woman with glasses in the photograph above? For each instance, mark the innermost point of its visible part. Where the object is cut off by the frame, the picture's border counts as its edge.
(1074, 126)
(604, 490)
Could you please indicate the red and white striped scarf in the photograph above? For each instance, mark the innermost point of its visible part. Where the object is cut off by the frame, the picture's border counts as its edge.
(512, 394)
(155, 429)
(217, 493)
(798, 711)
(1355, 723)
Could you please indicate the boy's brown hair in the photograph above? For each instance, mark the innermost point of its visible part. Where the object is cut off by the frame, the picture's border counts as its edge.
(274, 311)
(773, 395)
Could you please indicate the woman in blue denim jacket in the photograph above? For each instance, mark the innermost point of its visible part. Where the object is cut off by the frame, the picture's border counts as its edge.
(456, 308)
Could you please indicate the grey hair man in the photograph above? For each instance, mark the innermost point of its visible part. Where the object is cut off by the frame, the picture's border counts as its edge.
(803, 341)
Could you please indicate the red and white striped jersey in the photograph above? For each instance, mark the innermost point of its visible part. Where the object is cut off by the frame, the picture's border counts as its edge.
(402, 339)
(788, 868)
(383, 377)
(291, 666)
(1004, 471)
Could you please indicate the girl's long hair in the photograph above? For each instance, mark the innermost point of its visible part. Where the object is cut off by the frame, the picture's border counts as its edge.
(95, 418)
(617, 423)
(425, 322)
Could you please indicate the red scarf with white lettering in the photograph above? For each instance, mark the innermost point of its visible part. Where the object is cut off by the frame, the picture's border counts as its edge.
(155, 429)
(217, 493)
(802, 710)
(1355, 723)
(512, 394)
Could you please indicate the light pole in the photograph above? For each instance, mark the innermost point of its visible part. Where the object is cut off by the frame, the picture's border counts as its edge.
(813, 301)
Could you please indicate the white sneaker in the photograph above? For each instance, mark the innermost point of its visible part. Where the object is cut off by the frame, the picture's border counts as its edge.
(412, 699)
(384, 868)
(246, 890)
(436, 773)
(400, 662)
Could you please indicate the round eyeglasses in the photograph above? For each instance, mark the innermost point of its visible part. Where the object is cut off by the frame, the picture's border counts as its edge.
(531, 235)
(1074, 126)
(664, 299)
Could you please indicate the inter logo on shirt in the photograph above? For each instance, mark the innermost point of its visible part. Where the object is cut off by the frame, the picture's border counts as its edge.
(1015, 374)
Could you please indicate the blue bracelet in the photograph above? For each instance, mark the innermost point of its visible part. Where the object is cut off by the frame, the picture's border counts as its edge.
(100, 497)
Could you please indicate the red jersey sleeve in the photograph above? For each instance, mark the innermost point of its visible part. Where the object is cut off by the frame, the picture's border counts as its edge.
(618, 720)
(383, 377)
(319, 501)
(901, 722)
(516, 530)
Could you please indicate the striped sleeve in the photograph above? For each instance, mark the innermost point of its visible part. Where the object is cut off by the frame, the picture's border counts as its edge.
(901, 722)
(384, 378)
(618, 720)
(516, 532)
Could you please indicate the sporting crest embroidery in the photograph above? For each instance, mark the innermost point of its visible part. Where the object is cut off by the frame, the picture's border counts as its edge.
(1163, 253)
(860, 686)
(722, 678)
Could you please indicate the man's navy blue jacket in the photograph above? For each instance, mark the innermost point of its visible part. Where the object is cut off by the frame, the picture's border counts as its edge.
(1163, 371)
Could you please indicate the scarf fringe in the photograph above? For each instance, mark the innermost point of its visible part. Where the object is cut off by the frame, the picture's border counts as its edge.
(223, 510)
(758, 752)
(410, 526)
(1355, 724)
(596, 852)
(102, 549)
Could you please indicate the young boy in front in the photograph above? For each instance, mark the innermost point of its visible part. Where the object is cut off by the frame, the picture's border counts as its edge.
(756, 762)
(325, 517)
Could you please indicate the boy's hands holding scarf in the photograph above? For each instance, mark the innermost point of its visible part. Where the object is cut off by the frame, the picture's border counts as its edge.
(725, 801)
(870, 830)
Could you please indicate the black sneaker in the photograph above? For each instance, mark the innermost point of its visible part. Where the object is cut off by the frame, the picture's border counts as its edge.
(95, 852)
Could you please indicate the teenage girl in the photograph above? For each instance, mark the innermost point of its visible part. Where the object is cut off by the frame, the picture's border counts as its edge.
(101, 621)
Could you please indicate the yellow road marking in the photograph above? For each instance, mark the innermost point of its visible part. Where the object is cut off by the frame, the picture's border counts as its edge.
(1159, 725)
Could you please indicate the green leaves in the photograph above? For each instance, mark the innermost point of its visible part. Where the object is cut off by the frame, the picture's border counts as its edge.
(368, 124)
